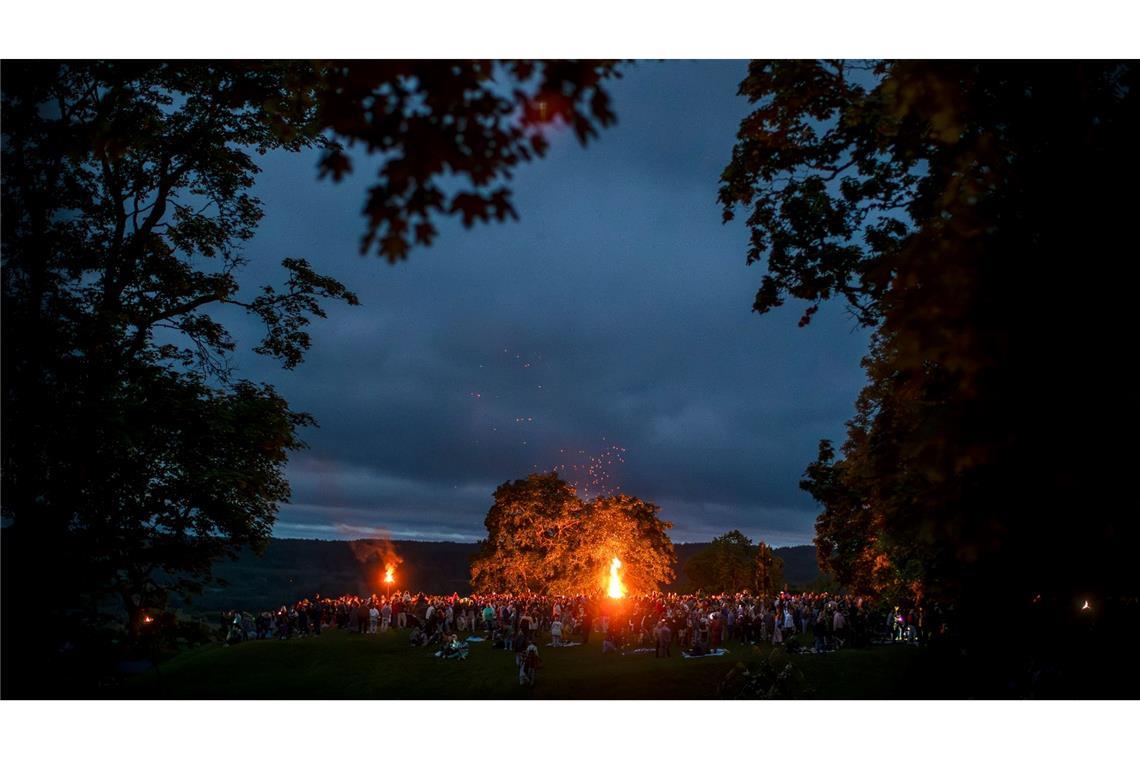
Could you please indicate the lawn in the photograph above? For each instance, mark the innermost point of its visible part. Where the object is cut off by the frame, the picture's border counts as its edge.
(343, 665)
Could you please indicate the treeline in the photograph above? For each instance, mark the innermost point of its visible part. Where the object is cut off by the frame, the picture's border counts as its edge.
(293, 568)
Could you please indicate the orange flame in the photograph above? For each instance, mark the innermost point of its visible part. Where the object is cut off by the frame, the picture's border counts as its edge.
(148, 619)
(1086, 605)
(389, 573)
(616, 589)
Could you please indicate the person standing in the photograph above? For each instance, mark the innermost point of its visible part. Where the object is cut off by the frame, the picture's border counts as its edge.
(373, 618)
(489, 619)
(664, 639)
(354, 622)
(302, 619)
(528, 670)
(317, 613)
(556, 632)
(714, 632)
(819, 629)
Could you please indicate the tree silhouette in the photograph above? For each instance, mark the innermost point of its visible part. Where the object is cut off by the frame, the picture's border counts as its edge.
(133, 454)
(972, 214)
(768, 571)
(726, 564)
(473, 121)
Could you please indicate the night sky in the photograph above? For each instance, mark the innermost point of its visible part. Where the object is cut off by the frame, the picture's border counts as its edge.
(616, 314)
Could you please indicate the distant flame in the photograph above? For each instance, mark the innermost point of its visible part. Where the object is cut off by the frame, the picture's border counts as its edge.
(148, 619)
(389, 574)
(616, 589)
(1086, 605)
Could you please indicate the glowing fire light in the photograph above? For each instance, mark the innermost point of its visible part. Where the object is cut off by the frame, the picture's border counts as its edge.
(389, 576)
(1086, 606)
(148, 619)
(616, 589)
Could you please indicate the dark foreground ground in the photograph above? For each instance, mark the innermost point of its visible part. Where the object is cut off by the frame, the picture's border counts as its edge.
(343, 665)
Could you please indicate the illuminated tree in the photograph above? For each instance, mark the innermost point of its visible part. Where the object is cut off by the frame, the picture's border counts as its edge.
(619, 526)
(527, 526)
(542, 538)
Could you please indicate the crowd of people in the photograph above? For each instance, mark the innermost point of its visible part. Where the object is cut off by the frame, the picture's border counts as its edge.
(693, 624)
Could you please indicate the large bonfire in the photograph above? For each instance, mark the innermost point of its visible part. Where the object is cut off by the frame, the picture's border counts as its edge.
(616, 589)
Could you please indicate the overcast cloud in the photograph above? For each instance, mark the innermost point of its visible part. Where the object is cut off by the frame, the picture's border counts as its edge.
(615, 313)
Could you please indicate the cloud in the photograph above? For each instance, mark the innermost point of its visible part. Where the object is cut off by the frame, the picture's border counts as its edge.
(615, 313)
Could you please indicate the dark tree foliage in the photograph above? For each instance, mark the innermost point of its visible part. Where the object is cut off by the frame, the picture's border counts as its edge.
(768, 571)
(977, 216)
(731, 562)
(449, 134)
(132, 453)
(726, 564)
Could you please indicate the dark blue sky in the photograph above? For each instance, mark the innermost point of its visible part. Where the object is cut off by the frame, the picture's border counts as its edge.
(616, 312)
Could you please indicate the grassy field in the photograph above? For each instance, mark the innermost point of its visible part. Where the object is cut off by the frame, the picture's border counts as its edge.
(342, 665)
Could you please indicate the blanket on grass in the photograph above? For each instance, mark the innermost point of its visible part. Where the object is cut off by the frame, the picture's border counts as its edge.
(713, 653)
(454, 654)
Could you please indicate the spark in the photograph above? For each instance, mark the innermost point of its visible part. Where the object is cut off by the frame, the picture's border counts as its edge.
(596, 474)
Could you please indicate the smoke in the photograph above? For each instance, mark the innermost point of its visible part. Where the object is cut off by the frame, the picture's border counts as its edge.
(378, 549)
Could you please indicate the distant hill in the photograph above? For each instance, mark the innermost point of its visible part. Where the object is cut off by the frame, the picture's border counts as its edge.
(290, 569)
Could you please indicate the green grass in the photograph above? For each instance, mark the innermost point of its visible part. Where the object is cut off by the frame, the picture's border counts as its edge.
(342, 665)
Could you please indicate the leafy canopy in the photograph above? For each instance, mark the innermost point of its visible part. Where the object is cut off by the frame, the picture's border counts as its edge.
(731, 563)
(724, 565)
(133, 450)
(542, 539)
(971, 213)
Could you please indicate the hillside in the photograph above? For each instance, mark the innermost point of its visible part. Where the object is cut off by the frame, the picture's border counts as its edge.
(343, 665)
(290, 569)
